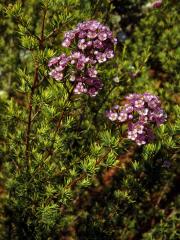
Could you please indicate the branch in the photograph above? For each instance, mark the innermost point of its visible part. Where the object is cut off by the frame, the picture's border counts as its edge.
(161, 195)
(41, 46)
(51, 34)
(42, 38)
(30, 114)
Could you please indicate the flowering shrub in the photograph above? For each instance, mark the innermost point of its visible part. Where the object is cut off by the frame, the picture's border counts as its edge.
(66, 171)
(141, 112)
(92, 44)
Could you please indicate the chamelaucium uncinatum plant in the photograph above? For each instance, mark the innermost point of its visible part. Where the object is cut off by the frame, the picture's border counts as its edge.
(89, 120)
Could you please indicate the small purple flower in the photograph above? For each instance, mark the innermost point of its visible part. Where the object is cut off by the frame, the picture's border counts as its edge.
(128, 108)
(66, 42)
(80, 88)
(98, 44)
(139, 127)
(101, 57)
(132, 135)
(57, 60)
(109, 53)
(92, 72)
(112, 115)
(122, 116)
(130, 116)
(82, 45)
(102, 36)
(139, 103)
(92, 92)
(53, 61)
(143, 112)
(82, 26)
(75, 55)
(56, 75)
(92, 34)
(82, 34)
(81, 62)
(71, 34)
(94, 25)
(89, 43)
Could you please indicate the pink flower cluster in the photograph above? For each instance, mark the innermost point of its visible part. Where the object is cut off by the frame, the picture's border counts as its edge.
(141, 112)
(93, 39)
(94, 44)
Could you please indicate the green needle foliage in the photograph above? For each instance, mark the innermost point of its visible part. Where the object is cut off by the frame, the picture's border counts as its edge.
(66, 171)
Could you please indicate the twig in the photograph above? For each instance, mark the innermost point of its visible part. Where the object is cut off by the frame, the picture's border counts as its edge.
(164, 190)
(42, 38)
(30, 114)
(51, 34)
(35, 115)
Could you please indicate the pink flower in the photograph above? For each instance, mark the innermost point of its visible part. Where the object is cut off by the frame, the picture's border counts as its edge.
(101, 57)
(91, 34)
(122, 117)
(102, 36)
(66, 42)
(92, 72)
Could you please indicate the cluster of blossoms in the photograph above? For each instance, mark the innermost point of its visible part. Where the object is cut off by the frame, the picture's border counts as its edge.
(93, 39)
(94, 44)
(141, 111)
